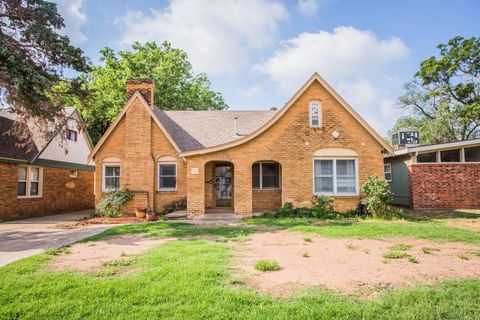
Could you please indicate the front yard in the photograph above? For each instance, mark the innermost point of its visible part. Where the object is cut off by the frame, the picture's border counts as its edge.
(183, 271)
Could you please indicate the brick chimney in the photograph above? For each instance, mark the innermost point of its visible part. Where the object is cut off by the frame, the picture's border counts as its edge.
(146, 87)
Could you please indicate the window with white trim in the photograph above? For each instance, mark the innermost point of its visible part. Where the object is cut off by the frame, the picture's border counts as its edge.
(167, 176)
(315, 114)
(29, 182)
(387, 171)
(266, 175)
(335, 176)
(72, 135)
(111, 176)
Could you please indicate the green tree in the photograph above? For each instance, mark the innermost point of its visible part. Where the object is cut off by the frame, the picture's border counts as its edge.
(176, 87)
(444, 96)
(32, 59)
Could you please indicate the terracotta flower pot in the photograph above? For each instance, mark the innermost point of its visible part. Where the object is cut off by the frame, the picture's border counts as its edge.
(151, 217)
(140, 212)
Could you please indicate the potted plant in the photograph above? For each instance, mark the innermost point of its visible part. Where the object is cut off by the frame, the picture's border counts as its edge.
(151, 216)
(140, 212)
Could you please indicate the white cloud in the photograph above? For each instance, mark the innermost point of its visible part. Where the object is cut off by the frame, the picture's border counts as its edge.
(220, 36)
(375, 104)
(74, 19)
(354, 61)
(347, 52)
(308, 7)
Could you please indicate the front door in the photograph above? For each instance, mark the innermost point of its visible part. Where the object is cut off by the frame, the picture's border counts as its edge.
(223, 185)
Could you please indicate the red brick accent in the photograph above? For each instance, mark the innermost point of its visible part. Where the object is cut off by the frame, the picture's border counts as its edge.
(60, 193)
(441, 186)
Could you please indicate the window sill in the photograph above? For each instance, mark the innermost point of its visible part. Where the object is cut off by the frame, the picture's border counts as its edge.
(166, 190)
(267, 189)
(29, 197)
(345, 195)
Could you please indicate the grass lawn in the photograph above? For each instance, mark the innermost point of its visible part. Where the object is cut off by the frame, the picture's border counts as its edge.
(190, 279)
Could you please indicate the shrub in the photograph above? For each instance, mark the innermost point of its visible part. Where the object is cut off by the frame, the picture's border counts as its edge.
(322, 207)
(286, 210)
(267, 265)
(377, 198)
(176, 205)
(112, 203)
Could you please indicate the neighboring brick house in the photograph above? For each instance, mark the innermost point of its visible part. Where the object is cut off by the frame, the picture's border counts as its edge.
(247, 161)
(37, 177)
(439, 176)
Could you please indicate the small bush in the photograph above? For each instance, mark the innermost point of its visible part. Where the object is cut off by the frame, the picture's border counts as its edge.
(350, 246)
(267, 265)
(322, 207)
(306, 255)
(112, 203)
(400, 247)
(57, 251)
(307, 239)
(377, 197)
(286, 210)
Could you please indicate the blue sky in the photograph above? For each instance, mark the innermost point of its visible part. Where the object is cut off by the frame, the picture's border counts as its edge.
(258, 52)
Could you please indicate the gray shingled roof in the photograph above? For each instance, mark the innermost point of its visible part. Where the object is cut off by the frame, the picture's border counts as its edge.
(193, 130)
(14, 148)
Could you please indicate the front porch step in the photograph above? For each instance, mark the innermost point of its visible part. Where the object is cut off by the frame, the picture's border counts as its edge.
(218, 217)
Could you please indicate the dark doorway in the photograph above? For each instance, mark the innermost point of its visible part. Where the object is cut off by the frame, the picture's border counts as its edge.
(223, 185)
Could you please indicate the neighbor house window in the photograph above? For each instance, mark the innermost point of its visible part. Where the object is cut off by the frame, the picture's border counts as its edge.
(450, 155)
(29, 182)
(427, 157)
(72, 135)
(73, 173)
(315, 114)
(266, 175)
(335, 176)
(167, 176)
(472, 154)
(111, 177)
(387, 170)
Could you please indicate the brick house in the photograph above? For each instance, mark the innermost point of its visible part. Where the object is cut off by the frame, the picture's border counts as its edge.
(37, 177)
(241, 161)
(439, 176)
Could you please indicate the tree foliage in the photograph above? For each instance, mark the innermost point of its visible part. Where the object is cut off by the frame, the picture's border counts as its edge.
(444, 96)
(176, 87)
(32, 59)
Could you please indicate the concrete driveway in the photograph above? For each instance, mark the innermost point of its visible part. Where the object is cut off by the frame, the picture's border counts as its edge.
(28, 237)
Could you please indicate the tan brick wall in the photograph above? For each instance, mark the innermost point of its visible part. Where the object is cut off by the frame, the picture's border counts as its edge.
(266, 199)
(138, 142)
(60, 193)
(292, 142)
(444, 186)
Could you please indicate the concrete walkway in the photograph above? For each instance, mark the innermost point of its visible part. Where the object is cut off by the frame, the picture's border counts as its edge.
(28, 237)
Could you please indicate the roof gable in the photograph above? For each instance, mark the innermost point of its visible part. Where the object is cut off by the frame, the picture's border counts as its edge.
(112, 127)
(281, 112)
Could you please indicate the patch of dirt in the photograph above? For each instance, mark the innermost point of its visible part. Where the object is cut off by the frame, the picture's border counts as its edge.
(349, 266)
(91, 256)
(469, 224)
(99, 220)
